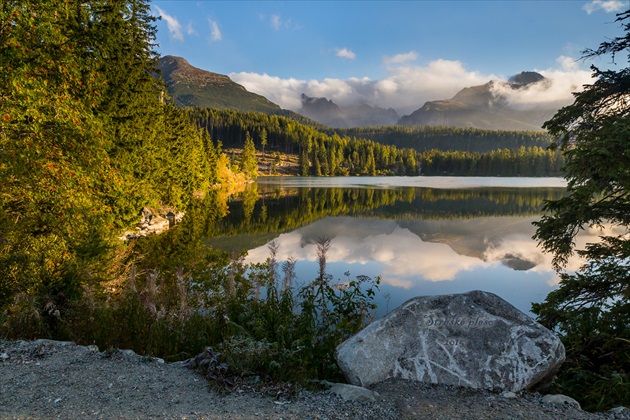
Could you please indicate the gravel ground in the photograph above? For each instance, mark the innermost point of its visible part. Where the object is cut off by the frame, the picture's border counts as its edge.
(50, 379)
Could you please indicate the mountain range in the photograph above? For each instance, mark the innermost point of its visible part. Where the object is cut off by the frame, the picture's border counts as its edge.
(483, 106)
(330, 114)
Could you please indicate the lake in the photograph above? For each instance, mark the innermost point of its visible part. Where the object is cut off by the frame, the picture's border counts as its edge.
(421, 235)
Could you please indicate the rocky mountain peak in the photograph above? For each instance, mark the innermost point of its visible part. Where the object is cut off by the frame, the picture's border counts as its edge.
(178, 70)
(525, 78)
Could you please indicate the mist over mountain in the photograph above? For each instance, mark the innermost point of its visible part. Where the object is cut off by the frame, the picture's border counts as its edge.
(326, 112)
(491, 106)
(495, 105)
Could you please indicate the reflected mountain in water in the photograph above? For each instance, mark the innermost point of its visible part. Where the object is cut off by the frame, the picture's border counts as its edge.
(423, 237)
(435, 249)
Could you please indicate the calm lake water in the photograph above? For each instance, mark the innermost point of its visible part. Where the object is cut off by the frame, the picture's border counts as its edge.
(421, 235)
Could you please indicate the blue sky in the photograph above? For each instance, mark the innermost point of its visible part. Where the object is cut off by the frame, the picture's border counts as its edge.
(391, 54)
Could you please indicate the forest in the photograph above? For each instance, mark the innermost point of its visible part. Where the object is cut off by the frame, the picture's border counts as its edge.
(319, 154)
(86, 141)
(334, 152)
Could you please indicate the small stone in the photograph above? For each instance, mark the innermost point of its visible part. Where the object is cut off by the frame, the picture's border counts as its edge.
(560, 399)
(508, 394)
(4, 356)
(128, 353)
(354, 393)
(92, 348)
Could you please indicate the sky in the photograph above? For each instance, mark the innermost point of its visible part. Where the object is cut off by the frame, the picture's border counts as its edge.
(396, 54)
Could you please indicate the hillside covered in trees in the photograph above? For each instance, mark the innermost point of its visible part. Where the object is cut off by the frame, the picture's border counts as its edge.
(85, 143)
(319, 153)
(386, 150)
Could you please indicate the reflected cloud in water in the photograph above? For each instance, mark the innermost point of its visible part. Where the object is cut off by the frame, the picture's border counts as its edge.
(415, 257)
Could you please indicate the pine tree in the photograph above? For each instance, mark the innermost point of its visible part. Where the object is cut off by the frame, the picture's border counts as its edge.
(249, 165)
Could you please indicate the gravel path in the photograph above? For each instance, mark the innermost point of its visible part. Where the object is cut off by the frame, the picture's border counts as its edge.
(50, 379)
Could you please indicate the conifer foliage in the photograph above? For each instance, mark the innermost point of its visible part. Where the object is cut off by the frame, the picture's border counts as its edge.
(591, 308)
(85, 142)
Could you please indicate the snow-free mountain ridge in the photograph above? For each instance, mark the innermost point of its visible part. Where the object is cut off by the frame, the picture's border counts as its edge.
(483, 106)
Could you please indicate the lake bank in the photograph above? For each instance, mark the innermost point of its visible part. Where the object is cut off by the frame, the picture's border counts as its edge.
(45, 379)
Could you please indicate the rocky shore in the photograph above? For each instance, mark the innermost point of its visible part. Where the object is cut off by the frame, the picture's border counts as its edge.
(46, 379)
(154, 222)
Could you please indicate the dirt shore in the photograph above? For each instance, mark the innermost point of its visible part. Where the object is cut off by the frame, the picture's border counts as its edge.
(51, 379)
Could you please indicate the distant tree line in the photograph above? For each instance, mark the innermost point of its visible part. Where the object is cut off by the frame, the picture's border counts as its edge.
(532, 161)
(425, 138)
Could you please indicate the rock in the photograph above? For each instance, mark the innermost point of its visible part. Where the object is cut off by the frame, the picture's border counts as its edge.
(353, 392)
(154, 222)
(128, 353)
(508, 394)
(620, 410)
(560, 399)
(474, 339)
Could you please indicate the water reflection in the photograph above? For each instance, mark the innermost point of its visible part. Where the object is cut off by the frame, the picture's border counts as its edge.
(420, 240)
(441, 237)
(490, 253)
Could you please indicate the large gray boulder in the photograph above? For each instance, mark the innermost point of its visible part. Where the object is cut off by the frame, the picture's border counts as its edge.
(474, 339)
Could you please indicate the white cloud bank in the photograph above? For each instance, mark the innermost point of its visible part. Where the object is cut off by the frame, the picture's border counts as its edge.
(407, 87)
(608, 6)
(553, 94)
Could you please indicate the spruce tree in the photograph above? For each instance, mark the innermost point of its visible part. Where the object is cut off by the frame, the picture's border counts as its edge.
(249, 165)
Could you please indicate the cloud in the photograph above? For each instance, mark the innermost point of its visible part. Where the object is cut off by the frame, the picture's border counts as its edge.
(278, 23)
(190, 30)
(608, 6)
(567, 63)
(345, 53)
(554, 93)
(400, 58)
(406, 88)
(275, 22)
(174, 27)
(215, 31)
(284, 92)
